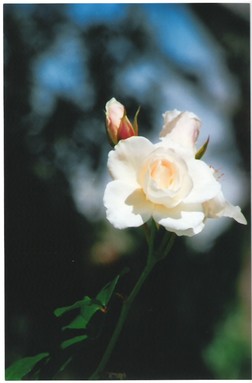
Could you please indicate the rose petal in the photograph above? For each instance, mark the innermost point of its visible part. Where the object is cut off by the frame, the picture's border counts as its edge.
(169, 117)
(125, 160)
(114, 111)
(182, 128)
(164, 177)
(219, 207)
(234, 212)
(126, 206)
(205, 185)
(185, 219)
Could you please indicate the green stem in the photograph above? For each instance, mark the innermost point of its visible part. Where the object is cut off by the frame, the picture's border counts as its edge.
(127, 305)
(151, 261)
(146, 232)
(166, 246)
(106, 356)
(122, 318)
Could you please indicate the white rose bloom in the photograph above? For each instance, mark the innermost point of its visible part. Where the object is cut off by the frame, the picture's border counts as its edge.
(164, 181)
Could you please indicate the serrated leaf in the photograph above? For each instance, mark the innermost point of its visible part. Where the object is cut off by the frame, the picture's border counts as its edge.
(202, 150)
(72, 341)
(23, 366)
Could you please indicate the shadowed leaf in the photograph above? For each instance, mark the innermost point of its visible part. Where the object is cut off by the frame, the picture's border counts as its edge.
(23, 366)
(105, 294)
(72, 341)
(62, 310)
(88, 307)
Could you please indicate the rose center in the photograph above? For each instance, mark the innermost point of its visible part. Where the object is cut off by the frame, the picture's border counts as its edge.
(163, 173)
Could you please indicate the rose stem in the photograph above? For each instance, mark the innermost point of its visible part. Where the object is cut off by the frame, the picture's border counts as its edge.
(151, 260)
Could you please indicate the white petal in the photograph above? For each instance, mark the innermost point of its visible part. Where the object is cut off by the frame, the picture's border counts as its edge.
(182, 128)
(126, 206)
(114, 111)
(164, 177)
(235, 213)
(170, 116)
(182, 220)
(205, 185)
(126, 158)
(219, 207)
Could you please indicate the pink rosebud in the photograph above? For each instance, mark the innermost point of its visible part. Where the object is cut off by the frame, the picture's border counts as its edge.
(182, 128)
(125, 129)
(118, 125)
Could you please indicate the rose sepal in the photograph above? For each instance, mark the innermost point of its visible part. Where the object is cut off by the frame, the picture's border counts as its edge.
(135, 122)
(200, 153)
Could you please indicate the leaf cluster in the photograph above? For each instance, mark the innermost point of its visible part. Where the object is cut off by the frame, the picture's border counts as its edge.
(86, 308)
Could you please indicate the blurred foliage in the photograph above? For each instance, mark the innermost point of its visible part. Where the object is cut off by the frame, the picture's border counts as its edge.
(229, 353)
(56, 251)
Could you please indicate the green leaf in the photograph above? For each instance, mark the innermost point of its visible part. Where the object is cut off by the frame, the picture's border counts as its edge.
(72, 341)
(76, 324)
(202, 150)
(81, 321)
(87, 311)
(62, 310)
(88, 307)
(23, 366)
(105, 294)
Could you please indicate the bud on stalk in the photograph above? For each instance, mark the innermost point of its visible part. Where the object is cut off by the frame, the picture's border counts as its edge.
(117, 123)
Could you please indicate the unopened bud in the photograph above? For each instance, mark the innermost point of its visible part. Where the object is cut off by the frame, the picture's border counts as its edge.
(117, 123)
